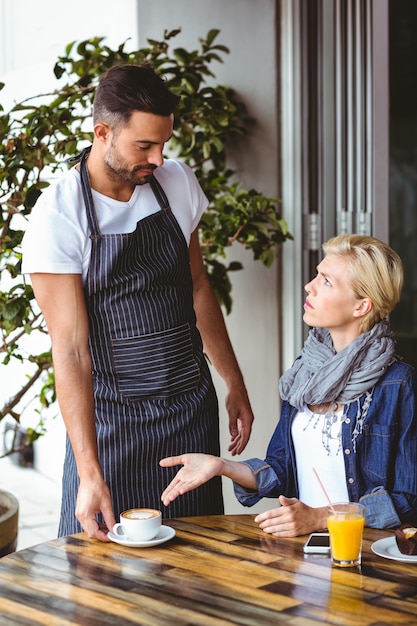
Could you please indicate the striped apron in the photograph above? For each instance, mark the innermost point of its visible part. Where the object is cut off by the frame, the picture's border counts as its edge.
(154, 396)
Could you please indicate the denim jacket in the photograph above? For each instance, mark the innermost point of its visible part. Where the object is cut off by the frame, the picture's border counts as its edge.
(380, 454)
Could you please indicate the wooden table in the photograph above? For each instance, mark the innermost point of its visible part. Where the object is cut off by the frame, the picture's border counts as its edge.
(217, 571)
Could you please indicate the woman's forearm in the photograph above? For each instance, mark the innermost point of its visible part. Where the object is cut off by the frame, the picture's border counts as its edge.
(239, 473)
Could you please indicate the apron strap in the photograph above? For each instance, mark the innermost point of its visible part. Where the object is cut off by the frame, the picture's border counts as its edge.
(159, 194)
(87, 195)
(86, 189)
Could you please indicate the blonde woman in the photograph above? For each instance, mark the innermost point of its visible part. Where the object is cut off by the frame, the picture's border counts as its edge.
(348, 406)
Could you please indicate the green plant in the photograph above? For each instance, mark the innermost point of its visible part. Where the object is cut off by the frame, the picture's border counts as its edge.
(42, 131)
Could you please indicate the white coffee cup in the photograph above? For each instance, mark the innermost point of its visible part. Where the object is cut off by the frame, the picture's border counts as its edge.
(138, 524)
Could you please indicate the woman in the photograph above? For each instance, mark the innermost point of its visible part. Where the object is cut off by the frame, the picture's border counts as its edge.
(349, 406)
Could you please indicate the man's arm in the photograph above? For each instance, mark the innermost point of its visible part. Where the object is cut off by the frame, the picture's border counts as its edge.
(61, 299)
(219, 349)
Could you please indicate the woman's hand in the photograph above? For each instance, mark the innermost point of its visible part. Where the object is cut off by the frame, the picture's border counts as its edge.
(197, 469)
(292, 518)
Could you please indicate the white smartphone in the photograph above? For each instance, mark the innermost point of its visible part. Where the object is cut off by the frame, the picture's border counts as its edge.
(317, 543)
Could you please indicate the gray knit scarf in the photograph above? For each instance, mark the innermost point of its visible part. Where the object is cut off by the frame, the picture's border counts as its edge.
(321, 375)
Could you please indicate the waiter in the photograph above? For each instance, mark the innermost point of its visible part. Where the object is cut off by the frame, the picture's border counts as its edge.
(113, 254)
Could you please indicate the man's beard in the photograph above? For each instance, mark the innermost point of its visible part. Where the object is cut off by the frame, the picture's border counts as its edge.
(116, 169)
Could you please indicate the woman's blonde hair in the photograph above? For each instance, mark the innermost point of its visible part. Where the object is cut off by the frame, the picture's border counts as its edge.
(375, 271)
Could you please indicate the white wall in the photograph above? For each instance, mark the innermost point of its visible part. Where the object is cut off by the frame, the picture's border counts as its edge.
(248, 29)
(33, 34)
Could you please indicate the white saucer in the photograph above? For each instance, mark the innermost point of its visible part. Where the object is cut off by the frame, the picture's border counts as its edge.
(388, 548)
(165, 534)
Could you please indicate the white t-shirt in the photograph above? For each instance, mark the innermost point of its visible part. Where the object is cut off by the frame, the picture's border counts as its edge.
(57, 240)
(318, 444)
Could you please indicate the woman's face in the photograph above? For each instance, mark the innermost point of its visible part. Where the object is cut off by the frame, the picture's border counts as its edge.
(331, 302)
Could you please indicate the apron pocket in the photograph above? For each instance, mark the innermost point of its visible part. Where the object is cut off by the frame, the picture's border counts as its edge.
(160, 365)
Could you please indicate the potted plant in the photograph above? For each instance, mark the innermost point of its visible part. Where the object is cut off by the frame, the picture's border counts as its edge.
(42, 131)
(9, 513)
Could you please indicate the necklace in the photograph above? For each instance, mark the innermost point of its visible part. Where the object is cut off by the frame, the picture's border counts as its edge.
(332, 416)
(322, 409)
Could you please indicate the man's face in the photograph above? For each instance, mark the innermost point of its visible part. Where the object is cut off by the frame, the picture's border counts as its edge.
(136, 151)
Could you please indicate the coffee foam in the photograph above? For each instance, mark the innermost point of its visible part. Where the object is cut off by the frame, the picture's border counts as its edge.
(140, 514)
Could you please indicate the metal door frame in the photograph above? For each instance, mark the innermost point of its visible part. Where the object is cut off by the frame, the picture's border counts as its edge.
(334, 105)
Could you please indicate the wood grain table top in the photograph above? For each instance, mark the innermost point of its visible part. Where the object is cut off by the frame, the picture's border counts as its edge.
(217, 571)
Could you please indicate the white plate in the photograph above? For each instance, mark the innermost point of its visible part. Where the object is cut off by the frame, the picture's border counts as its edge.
(389, 550)
(165, 534)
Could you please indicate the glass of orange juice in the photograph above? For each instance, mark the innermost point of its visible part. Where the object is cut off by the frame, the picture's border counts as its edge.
(345, 523)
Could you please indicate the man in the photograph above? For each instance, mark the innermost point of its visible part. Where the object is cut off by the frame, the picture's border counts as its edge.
(114, 258)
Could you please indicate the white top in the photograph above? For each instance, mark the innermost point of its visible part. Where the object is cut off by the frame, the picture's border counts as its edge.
(317, 443)
(57, 240)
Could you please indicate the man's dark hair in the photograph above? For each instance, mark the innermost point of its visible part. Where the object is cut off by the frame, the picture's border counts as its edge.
(124, 89)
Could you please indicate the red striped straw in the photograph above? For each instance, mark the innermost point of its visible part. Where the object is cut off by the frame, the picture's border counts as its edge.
(324, 490)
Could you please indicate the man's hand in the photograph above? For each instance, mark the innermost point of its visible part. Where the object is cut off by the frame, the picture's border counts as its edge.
(92, 499)
(292, 519)
(240, 419)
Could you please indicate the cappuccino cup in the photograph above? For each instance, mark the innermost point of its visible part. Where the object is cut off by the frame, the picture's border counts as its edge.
(138, 524)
